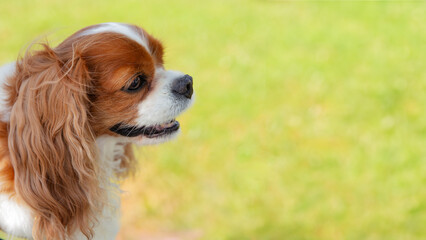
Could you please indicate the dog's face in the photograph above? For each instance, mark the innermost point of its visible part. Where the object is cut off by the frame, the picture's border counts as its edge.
(132, 95)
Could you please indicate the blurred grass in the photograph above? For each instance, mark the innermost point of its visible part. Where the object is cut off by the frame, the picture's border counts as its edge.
(309, 121)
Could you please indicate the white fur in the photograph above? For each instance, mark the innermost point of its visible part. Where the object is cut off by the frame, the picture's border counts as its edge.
(15, 219)
(111, 150)
(6, 71)
(119, 28)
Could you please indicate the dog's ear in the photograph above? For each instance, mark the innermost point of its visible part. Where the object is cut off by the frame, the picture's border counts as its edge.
(52, 146)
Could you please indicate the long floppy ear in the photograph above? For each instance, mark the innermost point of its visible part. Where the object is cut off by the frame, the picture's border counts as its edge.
(52, 146)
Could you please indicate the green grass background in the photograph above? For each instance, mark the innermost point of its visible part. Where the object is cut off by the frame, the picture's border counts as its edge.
(308, 122)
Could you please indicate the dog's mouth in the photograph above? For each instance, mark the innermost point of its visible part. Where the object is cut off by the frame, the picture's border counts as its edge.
(153, 131)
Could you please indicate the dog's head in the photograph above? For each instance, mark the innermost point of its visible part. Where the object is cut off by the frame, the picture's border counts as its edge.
(131, 93)
(106, 79)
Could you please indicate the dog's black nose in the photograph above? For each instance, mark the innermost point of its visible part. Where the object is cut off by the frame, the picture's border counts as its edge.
(183, 86)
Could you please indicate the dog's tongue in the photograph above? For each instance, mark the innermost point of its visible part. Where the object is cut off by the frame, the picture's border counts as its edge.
(164, 125)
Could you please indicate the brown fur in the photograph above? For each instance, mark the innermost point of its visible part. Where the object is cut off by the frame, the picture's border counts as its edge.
(6, 170)
(63, 98)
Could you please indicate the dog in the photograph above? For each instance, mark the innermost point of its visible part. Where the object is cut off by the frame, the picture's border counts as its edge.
(68, 118)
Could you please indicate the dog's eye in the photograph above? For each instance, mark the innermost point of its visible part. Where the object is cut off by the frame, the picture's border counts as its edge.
(137, 83)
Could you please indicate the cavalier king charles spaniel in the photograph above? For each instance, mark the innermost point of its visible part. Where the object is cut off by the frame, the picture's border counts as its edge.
(68, 117)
